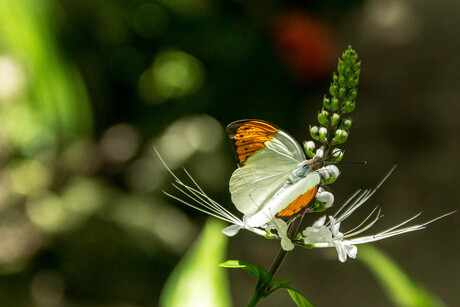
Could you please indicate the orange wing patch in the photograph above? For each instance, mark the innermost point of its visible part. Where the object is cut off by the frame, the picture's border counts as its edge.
(299, 203)
(249, 137)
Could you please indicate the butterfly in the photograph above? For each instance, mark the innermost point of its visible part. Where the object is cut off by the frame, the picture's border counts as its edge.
(274, 177)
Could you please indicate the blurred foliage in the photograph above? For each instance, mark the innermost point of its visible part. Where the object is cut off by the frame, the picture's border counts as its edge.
(399, 287)
(198, 280)
(87, 86)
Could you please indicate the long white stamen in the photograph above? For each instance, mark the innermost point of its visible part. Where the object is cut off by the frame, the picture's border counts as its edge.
(217, 205)
(354, 233)
(362, 198)
(208, 203)
(353, 207)
(203, 203)
(386, 235)
(217, 210)
(197, 208)
(440, 217)
(346, 202)
(389, 233)
(403, 223)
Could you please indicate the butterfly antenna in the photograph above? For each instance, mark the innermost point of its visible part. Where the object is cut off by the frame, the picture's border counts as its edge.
(358, 162)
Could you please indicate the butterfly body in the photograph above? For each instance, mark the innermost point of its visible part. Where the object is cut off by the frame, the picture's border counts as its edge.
(274, 178)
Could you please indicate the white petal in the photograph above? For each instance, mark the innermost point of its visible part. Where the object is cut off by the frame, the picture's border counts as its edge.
(325, 197)
(319, 222)
(333, 170)
(334, 226)
(231, 230)
(324, 173)
(282, 228)
(287, 244)
(335, 229)
(314, 235)
(340, 250)
(351, 250)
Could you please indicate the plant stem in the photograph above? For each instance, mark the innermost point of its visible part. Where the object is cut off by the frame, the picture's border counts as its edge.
(282, 253)
(255, 299)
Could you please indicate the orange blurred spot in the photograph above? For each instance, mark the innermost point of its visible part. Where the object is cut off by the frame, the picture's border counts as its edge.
(305, 43)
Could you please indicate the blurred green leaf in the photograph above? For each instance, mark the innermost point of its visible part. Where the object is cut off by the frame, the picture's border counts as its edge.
(401, 290)
(57, 94)
(298, 298)
(255, 270)
(197, 280)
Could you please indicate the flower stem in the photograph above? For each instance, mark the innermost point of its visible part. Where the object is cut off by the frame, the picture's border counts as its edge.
(255, 299)
(282, 253)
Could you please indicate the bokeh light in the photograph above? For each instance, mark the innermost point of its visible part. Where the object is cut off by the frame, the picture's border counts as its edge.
(47, 288)
(187, 135)
(149, 20)
(173, 74)
(12, 78)
(120, 143)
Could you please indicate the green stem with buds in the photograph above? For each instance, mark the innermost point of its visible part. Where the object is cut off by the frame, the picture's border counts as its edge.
(334, 125)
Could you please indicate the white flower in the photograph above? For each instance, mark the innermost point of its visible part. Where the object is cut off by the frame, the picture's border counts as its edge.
(322, 234)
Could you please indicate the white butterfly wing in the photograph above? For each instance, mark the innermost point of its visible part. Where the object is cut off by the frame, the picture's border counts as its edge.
(267, 156)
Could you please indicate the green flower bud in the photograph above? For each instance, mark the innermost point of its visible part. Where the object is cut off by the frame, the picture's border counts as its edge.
(355, 82)
(323, 134)
(323, 118)
(335, 104)
(342, 92)
(346, 124)
(340, 136)
(327, 102)
(309, 148)
(334, 90)
(337, 155)
(335, 119)
(348, 106)
(342, 80)
(352, 94)
(335, 78)
(314, 132)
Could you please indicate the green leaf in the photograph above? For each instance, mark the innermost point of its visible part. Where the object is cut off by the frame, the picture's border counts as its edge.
(197, 280)
(401, 290)
(255, 270)
(298, 298)
(277, 284)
